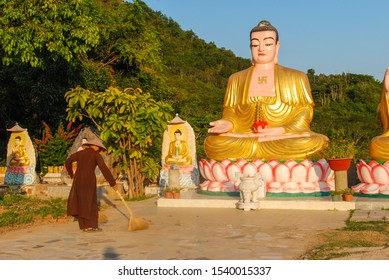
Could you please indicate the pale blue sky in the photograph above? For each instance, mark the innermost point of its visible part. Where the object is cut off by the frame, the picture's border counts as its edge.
(330, 36)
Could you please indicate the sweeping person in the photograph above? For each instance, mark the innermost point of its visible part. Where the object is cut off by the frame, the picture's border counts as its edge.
(82, 201)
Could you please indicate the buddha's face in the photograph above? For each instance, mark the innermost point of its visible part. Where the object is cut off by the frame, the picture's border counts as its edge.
(177, 136)
(264, 48)
(18, 142)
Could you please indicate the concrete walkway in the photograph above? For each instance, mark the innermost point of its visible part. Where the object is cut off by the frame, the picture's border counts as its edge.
(181, 233)
(188, 233)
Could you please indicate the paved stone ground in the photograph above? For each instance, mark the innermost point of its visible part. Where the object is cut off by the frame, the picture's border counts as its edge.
(184, 233)
(187, 233)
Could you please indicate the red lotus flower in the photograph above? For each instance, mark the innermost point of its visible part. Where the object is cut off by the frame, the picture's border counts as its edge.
(259, 125)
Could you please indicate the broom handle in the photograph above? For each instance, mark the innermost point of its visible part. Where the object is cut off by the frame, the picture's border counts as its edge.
(124, 202)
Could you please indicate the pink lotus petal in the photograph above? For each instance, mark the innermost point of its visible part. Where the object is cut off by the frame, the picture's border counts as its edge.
(214, 187)
(309, 187)
(373, 163)
(228, 187)
(204, 185)
(201, 168)
(366, 176)
(249, 169)
(208, 171)
(306, 163)
(370, 189)
(232, 169)
(380, 175)
(274, 187)
(273, 163)
(327, 172)
(241, 162)
(299, 173)
(315, 173)
(266, 172)
(290, 163)
(384, 189)
(357, 188)
(361, 162)
(324, 187)
(219, 172)
(281, 173)
(257, 162)
(291, 187)
(225, 162)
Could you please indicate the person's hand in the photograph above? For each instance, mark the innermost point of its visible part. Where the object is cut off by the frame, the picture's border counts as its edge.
(220, 126)
(116, 188)
(386, 80)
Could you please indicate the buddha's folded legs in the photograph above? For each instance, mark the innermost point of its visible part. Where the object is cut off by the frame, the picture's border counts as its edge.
(379, 148)
(222, 147)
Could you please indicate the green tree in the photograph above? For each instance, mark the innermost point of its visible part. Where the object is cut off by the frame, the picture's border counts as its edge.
(36, 31)
(132, 125)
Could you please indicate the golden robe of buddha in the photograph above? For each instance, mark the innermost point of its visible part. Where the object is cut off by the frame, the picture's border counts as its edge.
(379, 146)
(277, 97)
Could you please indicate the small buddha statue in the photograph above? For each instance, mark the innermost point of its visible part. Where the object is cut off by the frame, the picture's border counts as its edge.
(268, 108)
(179, 152)
(19, 155)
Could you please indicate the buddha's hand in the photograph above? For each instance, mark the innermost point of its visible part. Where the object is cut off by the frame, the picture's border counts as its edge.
(386, 80)
(220, 126)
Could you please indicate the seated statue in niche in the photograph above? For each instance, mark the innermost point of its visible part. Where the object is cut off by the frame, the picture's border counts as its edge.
(19, 155)
(179, 152)
(268, 108)
(379, 146)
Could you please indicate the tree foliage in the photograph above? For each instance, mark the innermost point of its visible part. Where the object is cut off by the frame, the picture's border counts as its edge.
(49, 47)
(31, 29)
(130, 122)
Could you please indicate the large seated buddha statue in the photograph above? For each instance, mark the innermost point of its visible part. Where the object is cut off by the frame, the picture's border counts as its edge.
(268, 109)
(379, 146)
(374, 174)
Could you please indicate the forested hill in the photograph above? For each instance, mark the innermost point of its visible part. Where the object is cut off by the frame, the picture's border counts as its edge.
(197, 74)
(134, 46)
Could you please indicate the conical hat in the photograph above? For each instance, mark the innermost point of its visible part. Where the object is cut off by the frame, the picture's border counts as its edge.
(96, 142)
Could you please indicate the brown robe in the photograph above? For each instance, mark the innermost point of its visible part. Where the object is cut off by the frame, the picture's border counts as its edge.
(82, 200)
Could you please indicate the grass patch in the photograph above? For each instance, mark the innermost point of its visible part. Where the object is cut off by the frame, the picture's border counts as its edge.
(139, 198)
(17, 209)
(355, 237)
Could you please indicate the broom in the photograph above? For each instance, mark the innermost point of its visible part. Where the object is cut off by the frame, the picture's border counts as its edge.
(135, 223)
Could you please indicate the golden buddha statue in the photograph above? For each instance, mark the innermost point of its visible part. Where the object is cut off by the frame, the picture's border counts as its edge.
(179, 152)
(379, 146)
(268, 108)
(19, 155)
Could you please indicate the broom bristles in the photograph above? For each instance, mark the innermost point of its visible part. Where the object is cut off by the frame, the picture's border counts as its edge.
(102, 218)
(134, 223)
(137, 223)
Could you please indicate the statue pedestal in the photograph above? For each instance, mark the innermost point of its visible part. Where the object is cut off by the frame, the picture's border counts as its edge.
(279, 177)
(174, 178)
(341, 180)
(186, 177)
(20, 175)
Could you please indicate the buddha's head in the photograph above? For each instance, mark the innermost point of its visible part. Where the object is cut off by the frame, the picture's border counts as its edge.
(18, 140)
(264, 43)
(177, 135)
